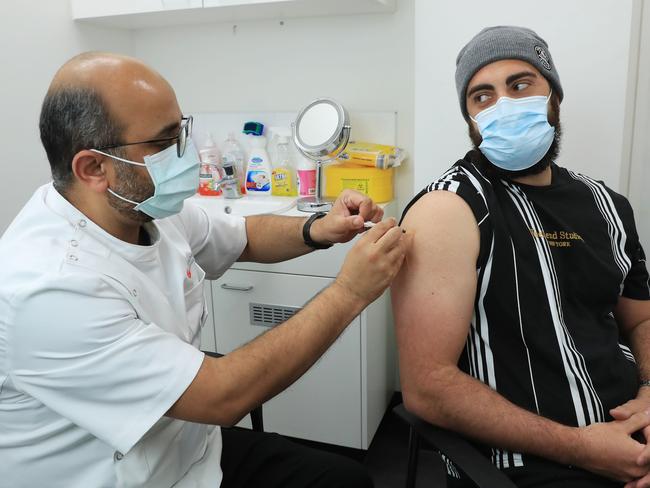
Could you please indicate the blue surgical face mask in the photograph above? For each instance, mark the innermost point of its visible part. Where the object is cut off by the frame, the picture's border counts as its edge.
(515, 131)
(175, 179)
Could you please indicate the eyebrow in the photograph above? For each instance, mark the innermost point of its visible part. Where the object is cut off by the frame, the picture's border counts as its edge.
(169, 129)
(521, 74)
(482, 86)
(509, 80)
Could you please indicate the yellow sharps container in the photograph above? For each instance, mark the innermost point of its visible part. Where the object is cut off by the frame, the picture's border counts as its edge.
(374, 182)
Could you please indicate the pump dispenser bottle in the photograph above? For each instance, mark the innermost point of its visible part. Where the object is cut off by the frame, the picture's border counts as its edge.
(209, 174)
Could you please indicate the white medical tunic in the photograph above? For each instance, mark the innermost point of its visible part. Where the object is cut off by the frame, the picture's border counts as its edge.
(98, 339)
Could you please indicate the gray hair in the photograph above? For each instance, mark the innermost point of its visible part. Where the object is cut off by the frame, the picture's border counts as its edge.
(73, 119)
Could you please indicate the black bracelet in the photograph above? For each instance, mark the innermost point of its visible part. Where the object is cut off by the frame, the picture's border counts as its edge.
(306, 232)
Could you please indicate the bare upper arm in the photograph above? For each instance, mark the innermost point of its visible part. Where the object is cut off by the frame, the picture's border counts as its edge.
(629, 313)
(433, 295)
(205, 400)
(245, 256)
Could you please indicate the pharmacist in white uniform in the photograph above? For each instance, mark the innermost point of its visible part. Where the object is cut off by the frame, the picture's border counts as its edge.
(102, 382)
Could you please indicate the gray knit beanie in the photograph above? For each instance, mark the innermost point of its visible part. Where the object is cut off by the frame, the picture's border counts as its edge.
(504, 42)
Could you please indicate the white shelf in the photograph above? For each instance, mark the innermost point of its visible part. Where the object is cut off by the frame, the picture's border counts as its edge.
(137, 14)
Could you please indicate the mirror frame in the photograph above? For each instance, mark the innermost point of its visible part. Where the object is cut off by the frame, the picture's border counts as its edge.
(335, 145)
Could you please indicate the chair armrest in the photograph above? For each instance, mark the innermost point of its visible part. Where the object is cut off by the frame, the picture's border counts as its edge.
(464, 455)
(257, 414)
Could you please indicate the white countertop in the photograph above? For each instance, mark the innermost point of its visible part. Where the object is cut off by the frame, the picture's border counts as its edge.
(254, 204)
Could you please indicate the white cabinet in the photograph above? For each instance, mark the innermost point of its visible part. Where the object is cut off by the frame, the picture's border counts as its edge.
(231, 3)
(85, 9)
(325, 404)
(344, 395)
(135, 14)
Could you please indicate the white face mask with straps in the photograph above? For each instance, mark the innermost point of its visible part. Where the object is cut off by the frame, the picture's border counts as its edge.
(175, 179)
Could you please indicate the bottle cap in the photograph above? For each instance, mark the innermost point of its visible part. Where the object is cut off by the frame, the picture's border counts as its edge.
(253, 128)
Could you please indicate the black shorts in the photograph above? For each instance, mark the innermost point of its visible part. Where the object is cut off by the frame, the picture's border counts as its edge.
(542, 473)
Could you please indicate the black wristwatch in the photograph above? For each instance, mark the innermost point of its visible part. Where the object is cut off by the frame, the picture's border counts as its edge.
(306, 232)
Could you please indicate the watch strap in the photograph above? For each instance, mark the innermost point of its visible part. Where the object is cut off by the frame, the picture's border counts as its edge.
(306, 235)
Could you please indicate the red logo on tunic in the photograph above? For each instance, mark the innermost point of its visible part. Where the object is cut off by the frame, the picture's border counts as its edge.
(189, 273)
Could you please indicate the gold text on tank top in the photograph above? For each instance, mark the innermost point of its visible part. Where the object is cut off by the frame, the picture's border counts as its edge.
(558, 238)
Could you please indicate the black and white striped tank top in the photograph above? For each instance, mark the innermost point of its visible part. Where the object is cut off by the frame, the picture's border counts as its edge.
(553, 261)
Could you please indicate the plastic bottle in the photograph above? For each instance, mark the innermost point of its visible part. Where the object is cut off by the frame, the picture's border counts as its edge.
(258, 172)
(209, 175)
(233, 155)
(283, 176)
(230, 184)
(306, 178)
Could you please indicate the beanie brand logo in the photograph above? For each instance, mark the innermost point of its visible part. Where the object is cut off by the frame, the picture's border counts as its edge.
(543, 57)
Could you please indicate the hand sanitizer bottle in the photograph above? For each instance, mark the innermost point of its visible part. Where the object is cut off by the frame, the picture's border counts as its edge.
(209, 175)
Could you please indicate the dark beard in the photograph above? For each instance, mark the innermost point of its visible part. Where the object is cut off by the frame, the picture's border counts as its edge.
(541, 165)
(129, 186)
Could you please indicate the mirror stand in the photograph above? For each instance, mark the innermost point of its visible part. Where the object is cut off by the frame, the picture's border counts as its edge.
(321, 132)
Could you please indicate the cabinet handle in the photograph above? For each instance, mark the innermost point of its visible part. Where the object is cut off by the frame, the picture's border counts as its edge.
(226, 286)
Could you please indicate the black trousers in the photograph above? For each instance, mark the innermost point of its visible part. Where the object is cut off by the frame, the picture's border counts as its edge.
(259, 459)
(542, 473)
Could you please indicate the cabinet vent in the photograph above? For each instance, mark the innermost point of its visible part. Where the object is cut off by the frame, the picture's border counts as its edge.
(270, 315)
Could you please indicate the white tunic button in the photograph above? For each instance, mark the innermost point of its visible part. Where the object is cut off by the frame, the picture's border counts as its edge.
(82, 223)
(134, 292)
(118, 456)
(74, 243)
(72, 257)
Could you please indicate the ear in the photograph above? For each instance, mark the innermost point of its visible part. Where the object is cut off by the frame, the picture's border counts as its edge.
(89, 169)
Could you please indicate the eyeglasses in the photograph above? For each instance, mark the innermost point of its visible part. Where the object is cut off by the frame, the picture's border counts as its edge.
(181, 139)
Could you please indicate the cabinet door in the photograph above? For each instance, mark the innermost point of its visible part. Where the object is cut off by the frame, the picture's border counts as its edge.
(232, 3)
(325, 404)
(103, 8)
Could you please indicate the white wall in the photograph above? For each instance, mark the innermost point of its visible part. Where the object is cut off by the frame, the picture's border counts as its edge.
(364, 61)
(639, 180)
(403, 62)
(590, 44)
(36, 37)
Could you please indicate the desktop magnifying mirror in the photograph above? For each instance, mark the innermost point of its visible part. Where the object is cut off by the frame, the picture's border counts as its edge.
(321, 132)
